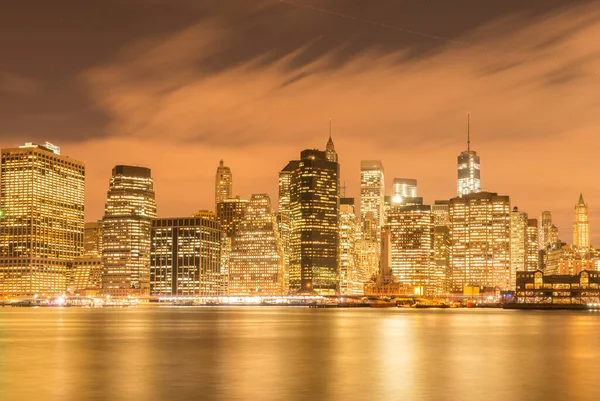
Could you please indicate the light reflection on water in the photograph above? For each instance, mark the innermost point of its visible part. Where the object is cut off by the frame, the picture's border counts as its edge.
(270, 353)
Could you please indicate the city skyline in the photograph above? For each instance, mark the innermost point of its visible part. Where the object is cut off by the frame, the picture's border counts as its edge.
(415, 122)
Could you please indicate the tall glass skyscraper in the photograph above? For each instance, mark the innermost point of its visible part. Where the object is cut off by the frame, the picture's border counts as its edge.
(41, 219)
(581, 225)
(314, 230)
(469, 169)
(351, 276)
(127, 225)
(223, 183)
(404, 188)
(372, 190)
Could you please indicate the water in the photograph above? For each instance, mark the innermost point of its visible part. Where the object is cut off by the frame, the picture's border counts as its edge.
(269, 353)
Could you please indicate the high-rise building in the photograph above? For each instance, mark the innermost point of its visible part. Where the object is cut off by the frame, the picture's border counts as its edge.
(372, 190)
(351, 278)
(41, 222)
(330, 153)
(518, 244)
(412, 251)
(480, 234)
(404, 188)
(230, 213)
(92, 238)
(223, 183)
(441, 244)
(532, 261)
(314, 211)
(368, 248)
(256, 260)
(185, 258)
(545, 230)
(283, 218)
(581, 226)
(469, 169)
(127, 225)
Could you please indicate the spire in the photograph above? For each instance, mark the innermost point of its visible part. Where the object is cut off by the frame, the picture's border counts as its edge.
(469, 132)
(221, 163)
(330, 129)
(581, 202)
(330, 148)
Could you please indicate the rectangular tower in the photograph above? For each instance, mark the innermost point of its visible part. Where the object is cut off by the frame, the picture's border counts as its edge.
(41, 219)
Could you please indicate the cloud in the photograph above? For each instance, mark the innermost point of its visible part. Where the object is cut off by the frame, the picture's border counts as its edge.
(19, 85)
(530, 85)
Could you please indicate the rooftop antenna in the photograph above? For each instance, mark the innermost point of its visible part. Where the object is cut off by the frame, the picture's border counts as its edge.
(343, 190)
(330, 128)
(469, 133)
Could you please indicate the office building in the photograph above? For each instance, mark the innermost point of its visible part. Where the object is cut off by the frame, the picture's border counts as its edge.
(469, 169)
(372, 190)
(85, 276)
(368, 248)
(185, 258)
(441, 244)
(518, 243)
(411, 230)
(256, 260)
(283, 218)
(480, 235)
(92, 238)
(351, 278)
(42, 222)
(223, 183)
(404, 188)
(543, 288)
(230, 213)
(581, 226)
(533, 257)
(314, 231)
(127, 225)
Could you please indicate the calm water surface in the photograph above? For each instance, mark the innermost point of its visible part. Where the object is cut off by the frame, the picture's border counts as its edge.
(297, 354)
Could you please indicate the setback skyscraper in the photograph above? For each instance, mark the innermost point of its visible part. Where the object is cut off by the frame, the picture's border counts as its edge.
(581, 226)
(314, 231)
(41, 219)
(469, 168)
(127, 225)
(223, 183)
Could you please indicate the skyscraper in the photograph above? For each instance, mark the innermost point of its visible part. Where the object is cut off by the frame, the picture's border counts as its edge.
(41, 231)
(314, 210)
(230, 213)
(283, 218)
(127, 225)
(223, 183)
(368, 247)
(351, 278)
(532, 261)
(441, 243)
(581, 226)
(256, 260)
(372, 190)
(544, 230)
(518, 244)
(412, 252)
(469, 168)
(404, 188)
(185, 258)
(480, 232)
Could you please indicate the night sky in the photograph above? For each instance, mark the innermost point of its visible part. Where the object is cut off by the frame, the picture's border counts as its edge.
(177, 85)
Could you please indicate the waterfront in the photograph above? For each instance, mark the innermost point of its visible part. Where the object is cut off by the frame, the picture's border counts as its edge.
(258, 353)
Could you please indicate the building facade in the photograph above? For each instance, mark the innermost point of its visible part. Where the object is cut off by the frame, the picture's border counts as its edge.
(372, 190)
(469, 169)
(126, 232)
(314, 229)
(230, 213)
(256, 260)
(532, 263)
(351, 277)
(92, 238)
(441, 244)
(542, 288)
(404, 188)
(518, 244)
(480, 235)
(42, 222)
(185, 257)
(85, 276)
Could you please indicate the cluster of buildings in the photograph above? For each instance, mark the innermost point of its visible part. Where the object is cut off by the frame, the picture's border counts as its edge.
(311, 241)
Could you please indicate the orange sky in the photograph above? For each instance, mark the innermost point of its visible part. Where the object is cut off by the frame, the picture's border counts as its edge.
(530, 84)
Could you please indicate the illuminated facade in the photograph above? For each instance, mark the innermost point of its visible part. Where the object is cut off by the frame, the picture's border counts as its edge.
(532, 261)
(469, 170)
(411, 247)
(564, 259)
(127, 225)
(230, 213)
(404, 188)
(518, 244)
(41, 230)
(223, 183)
(368, 248)
(351, 278)
(92, 238)
(544, 230)
(544, 288)
(185, 258)
(581, 226)
(372, 190)
(480, 235)
(314, 211)
(85, 275)
(256, 260)
(441, 244)
(283, 218)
